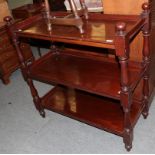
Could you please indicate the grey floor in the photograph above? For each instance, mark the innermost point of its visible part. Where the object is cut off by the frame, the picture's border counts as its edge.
(22, 130)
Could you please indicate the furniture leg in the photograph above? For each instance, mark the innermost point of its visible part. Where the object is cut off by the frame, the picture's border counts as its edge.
(5, 79)
(24, 68)
(36, 98)
(47, 11)
(16, 43)
(128, 131)
(146, 59)
(75, 12)
(122, 51)
(21, 58)
(74, 8)
(25, 71)
(126, 100)
(84, 7)
(145, 96)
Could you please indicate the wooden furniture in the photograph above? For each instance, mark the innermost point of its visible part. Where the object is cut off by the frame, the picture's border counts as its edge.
(72, 19)
(128, 7)
(26, 11)
(108, 93)
(9, 61)
(133, 7)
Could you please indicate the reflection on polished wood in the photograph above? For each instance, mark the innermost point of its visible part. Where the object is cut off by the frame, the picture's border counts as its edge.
(73, 19)
(77, 71)
(86, 79)
(95, 110)
(92, 36)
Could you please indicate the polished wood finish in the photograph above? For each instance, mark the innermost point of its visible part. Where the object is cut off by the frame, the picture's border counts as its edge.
(89, 108)
(48, 70)
(26, 11)
(93, 29)
(9, 60)
(84, 80)
(70, 20)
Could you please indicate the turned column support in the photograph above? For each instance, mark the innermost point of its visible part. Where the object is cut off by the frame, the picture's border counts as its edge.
(24, 68)
(84, 7)
(10, 29)
(36, 98)
(146, 57)
(74, 8)
(122, 51)
(73, 19)
(48, 15)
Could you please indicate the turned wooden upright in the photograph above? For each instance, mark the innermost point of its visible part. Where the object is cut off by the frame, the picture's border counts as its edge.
(71, 20)
(123, 52)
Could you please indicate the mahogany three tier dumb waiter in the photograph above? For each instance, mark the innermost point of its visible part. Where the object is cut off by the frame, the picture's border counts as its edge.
(106, 92)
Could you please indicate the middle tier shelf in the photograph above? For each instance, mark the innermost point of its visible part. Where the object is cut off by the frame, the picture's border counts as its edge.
(94, 76)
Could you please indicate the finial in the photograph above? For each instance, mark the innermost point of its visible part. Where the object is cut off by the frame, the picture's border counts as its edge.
(120, 28)
(145, 6)
(8, 20)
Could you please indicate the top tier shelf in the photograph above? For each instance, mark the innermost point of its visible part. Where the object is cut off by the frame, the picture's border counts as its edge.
(99, 29)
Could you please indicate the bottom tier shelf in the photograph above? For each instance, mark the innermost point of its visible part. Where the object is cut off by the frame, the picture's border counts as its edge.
(94, 110)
